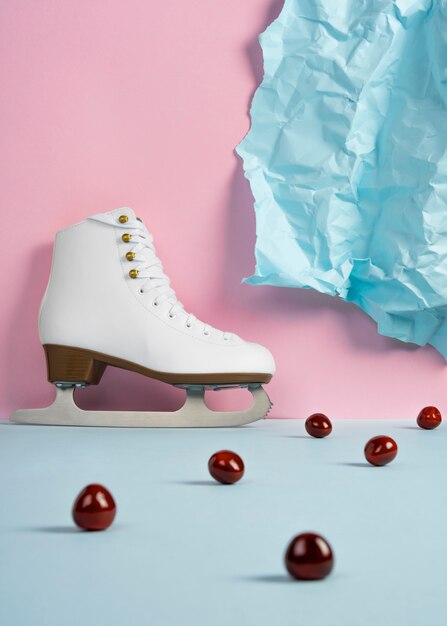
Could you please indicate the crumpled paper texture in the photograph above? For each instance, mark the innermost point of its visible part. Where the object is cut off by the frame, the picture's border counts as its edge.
(346, 158)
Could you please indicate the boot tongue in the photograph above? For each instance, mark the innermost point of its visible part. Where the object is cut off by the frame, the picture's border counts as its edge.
(128, 212)
(125, 210)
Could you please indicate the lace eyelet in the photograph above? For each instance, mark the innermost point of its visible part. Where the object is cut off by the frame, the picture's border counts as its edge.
(206, 334)
(188, 325)
(226, 339)
(141, 291)
(171, 317)
(154, 303)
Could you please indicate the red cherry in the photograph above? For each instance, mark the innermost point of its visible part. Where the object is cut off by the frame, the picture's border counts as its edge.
(380, 450)
(318, 425)
(226, 467)
(309, 557)
(429, 418)
(94, 508)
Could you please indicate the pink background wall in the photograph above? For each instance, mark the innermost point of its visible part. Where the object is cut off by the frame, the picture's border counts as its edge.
(129, 102)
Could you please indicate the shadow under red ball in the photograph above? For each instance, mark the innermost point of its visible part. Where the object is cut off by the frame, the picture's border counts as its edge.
(318, 425)
(94, 508)
(429, 418)
(380, 450)
(309, 557)
(226, 467)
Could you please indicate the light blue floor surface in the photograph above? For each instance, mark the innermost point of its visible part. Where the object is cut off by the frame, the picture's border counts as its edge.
(185, 551)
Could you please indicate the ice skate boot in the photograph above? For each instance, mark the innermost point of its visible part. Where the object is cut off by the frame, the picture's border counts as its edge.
(109, 302)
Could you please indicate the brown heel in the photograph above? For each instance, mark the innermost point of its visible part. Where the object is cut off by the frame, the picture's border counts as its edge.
(65, 364)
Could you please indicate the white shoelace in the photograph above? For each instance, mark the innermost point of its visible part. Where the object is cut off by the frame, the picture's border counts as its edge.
(150, 270)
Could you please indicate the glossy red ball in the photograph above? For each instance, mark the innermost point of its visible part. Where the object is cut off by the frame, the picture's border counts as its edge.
(429, 418)
(318, 425)
(94, 508)
(226, 467)
(380, 450)
(309, 557)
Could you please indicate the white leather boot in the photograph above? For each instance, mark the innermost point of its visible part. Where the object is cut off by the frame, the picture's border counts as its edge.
(108, 302)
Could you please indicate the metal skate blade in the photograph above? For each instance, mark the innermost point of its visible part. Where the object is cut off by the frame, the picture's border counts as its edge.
(193, 414)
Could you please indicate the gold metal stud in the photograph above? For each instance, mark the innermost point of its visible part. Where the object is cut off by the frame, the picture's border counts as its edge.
(133, 273)
(130, 256)
(126, 237)
(123, 219)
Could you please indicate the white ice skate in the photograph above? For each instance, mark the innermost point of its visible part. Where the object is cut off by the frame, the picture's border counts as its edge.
(108, 302)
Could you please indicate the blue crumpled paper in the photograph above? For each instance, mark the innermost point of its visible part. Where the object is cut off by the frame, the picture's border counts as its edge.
(347, 159)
